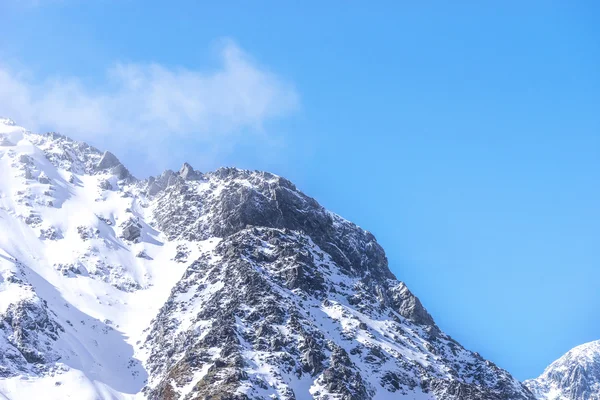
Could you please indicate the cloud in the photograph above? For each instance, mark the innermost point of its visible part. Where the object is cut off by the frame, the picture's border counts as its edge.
(154, 103)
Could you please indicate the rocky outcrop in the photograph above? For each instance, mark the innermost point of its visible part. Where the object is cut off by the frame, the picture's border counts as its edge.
(132, 230)
(273, 298)
(28, 330)
(230, 200)
(574, 376)
(188, 173)
(31, 331)
(110, 162)
(256, 290)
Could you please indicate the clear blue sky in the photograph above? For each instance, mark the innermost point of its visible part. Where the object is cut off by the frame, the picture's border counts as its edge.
(466, 137)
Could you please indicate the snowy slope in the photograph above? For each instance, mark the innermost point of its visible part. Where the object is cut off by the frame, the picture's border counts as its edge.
(574, 376)
(86, 293)
(231, 284)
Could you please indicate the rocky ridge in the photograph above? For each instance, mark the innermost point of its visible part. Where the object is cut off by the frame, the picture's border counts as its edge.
(230, 284)
(574, 376)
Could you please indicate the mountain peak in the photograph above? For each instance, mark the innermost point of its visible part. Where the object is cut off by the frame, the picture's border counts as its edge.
(574, 376)
(108, 160)
(231, 284)
(188, 173)
(7, 121)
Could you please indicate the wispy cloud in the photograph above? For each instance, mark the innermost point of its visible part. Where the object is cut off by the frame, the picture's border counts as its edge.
(152, 102)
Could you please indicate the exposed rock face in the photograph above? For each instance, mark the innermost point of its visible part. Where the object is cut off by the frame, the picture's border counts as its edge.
(409, 306)
(272, 298)
(231, 284)
(230, 200)
(43, 179)
(574, 376)
(110, 162)
(188, 173)
(28, 331)
(132, 230)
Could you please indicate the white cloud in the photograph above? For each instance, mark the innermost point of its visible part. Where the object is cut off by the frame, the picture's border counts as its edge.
(153, 102)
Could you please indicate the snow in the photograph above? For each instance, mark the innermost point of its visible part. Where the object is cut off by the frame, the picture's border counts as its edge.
(575, 373)
(69, 264)
(99, 351)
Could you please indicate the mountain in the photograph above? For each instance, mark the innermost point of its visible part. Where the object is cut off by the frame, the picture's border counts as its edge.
(574, 376)
(231, 284)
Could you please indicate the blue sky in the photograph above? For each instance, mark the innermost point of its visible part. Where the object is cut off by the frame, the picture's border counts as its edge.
(466, 137)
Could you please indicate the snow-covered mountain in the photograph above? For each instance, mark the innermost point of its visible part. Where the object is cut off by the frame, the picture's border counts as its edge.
(574, 376)
(225, 285)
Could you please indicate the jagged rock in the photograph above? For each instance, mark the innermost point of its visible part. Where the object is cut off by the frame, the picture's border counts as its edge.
(251, 274)
(106, 220)
(108, 160)
(409, 306)
(574, 376)
(188, 173)
(31, 331)
(33, 220)
(132, 230)
(262, 199)
(263, 293)
(28, 173)
(43, 178)
(105, 185)
(156, 185)
(69, 270)
(153, 188)
(342, 379)
(25, 159)
(143, 254)
(51, 233)
(87, 232)
(120, 171)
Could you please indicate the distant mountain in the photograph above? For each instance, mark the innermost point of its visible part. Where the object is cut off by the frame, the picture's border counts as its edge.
(230, 284)
(574, 376)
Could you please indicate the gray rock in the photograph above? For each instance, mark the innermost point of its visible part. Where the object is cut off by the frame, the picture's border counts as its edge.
(263, 276)
(105, 185)
(25, 159)
(87, 232)
(108, 160)
(408, 305)
(574, 376)
(153, 189)
(290, 288)
(42, 178)
(28, 173)
(131, 231)
(189, 174)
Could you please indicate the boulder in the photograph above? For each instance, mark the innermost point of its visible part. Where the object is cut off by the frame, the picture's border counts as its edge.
(105, 185)
(43, 178)
(132, 231)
